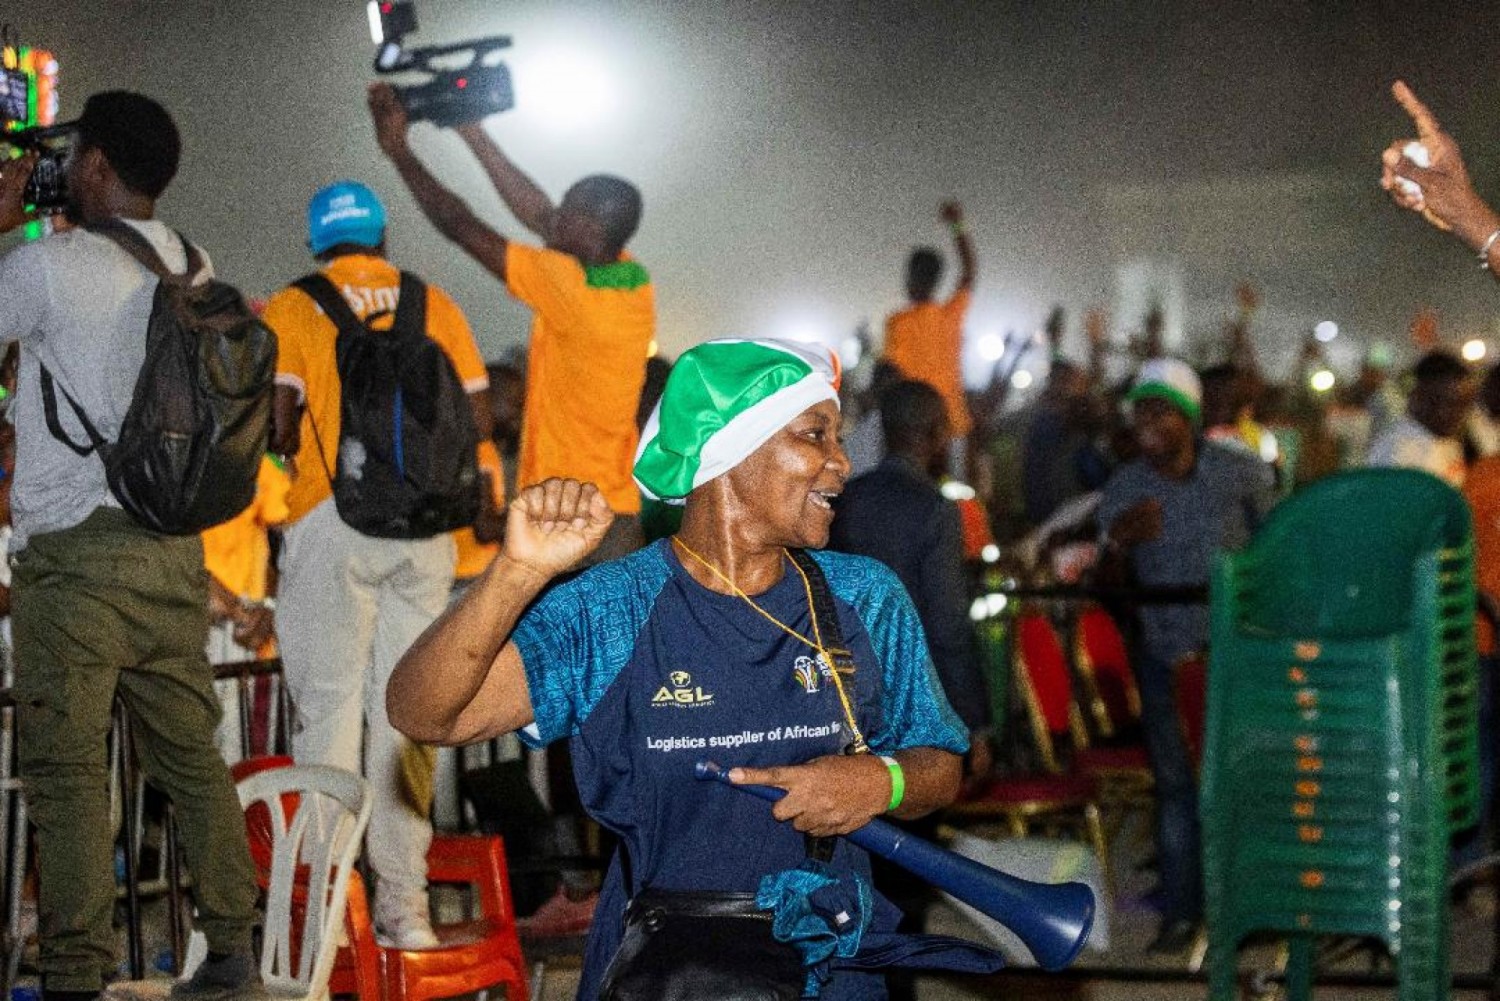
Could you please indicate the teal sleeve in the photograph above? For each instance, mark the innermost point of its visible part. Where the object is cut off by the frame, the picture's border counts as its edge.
(915, 710)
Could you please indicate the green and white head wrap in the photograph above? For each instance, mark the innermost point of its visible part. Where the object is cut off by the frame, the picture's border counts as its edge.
(1171, 380)
(723, 400)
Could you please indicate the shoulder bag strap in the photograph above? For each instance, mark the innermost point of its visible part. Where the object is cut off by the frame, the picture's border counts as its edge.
(130, 240)
(49, 410)
(824, 608)
(833, 641)
(411, 305)
(193, 256)
(320, 290)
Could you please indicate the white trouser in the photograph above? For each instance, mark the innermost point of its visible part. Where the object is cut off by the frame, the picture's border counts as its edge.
(348, 607)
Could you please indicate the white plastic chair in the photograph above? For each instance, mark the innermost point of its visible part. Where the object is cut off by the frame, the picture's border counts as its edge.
(322, 838)
(316, 836)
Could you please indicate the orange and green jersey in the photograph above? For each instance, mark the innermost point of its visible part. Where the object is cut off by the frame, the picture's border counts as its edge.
(238, 553)
(591, 332)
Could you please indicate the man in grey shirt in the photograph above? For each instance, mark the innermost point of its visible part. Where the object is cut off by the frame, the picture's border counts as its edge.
(103, 607)
(1164, 515)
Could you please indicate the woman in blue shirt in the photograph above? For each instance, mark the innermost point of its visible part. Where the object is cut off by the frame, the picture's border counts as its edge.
(704, 645)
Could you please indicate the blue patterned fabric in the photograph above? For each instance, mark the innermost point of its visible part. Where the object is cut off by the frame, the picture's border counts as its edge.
(822, 911)
(913, 717)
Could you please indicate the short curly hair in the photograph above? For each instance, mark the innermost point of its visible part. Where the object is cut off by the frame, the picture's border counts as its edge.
(136, 136)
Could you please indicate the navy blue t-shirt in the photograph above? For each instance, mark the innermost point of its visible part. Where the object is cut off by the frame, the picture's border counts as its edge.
(648, 672)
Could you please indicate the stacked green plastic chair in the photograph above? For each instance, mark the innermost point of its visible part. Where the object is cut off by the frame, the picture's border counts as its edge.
(1342, 747)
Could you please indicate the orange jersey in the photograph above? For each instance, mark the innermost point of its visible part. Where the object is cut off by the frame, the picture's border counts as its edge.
(237, 552)
(306, 360)
(591, 332)
(474, 556)
(1482, 490)
(926, 342)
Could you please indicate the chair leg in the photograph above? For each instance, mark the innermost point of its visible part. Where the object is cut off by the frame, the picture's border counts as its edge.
(1299, 968)
(1095, 826)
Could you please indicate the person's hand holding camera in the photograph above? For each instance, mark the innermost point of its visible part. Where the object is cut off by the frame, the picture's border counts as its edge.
(389, 118)
(13, 177)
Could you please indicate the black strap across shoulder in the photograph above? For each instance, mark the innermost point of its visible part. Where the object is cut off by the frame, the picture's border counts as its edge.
(130, 240)
(411, 315)
(411, 304)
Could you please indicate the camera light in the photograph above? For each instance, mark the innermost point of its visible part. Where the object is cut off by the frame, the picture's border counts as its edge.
(1022, 379)
(461, 82)
(1322, 380)
(1326, 331)
(373, 10)
(1475, 350)
(992, 347)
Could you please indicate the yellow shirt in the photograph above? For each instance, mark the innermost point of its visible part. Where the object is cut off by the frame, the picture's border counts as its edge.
(926, 342)
(306, 360)
(237, 552)
(590, 335)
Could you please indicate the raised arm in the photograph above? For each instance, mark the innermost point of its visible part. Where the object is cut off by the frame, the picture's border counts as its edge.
(527, 202)
(445, 210)
(953, 215)
(463, 679)
(1443, 193)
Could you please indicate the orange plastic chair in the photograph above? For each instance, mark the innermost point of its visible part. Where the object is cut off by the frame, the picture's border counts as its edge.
(476, 954)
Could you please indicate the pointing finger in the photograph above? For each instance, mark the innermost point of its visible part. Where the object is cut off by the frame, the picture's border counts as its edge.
(1421, 116)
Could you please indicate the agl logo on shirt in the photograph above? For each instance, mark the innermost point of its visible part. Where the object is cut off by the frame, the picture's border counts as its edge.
(682, 692)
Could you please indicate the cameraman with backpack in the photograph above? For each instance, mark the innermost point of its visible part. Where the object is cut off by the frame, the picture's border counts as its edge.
(382, 398)
(105, 606)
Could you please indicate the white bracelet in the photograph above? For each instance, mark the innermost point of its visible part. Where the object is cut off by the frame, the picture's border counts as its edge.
(1484, 251)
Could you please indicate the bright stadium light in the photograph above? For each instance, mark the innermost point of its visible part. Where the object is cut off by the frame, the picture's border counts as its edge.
(1322, 380)
(565, 89)
(992, 347)
(1475, 350)
(1326, 331)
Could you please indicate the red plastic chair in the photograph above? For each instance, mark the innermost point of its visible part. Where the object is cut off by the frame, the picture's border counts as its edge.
(476, 954)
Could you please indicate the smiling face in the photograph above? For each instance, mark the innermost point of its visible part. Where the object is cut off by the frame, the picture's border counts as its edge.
(784, 489)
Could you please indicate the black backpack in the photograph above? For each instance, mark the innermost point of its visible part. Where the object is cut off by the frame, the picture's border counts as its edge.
(190, 446)
(407, 467)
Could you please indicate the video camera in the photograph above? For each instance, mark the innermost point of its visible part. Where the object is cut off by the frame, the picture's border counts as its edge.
(47, 188)
(452, 95)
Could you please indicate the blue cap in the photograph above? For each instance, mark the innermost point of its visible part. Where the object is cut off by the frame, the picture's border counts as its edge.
(345, 212)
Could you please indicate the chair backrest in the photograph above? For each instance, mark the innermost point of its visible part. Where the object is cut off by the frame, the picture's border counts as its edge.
(1312, 570)
(317, 817)
(1046, 688)
(1104, 674)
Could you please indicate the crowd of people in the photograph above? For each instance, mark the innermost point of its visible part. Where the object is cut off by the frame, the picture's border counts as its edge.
(740, 553)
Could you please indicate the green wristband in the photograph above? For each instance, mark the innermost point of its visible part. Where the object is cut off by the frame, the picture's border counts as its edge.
(898, 781)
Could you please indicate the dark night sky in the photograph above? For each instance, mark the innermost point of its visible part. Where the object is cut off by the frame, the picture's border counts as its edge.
(791, 152)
